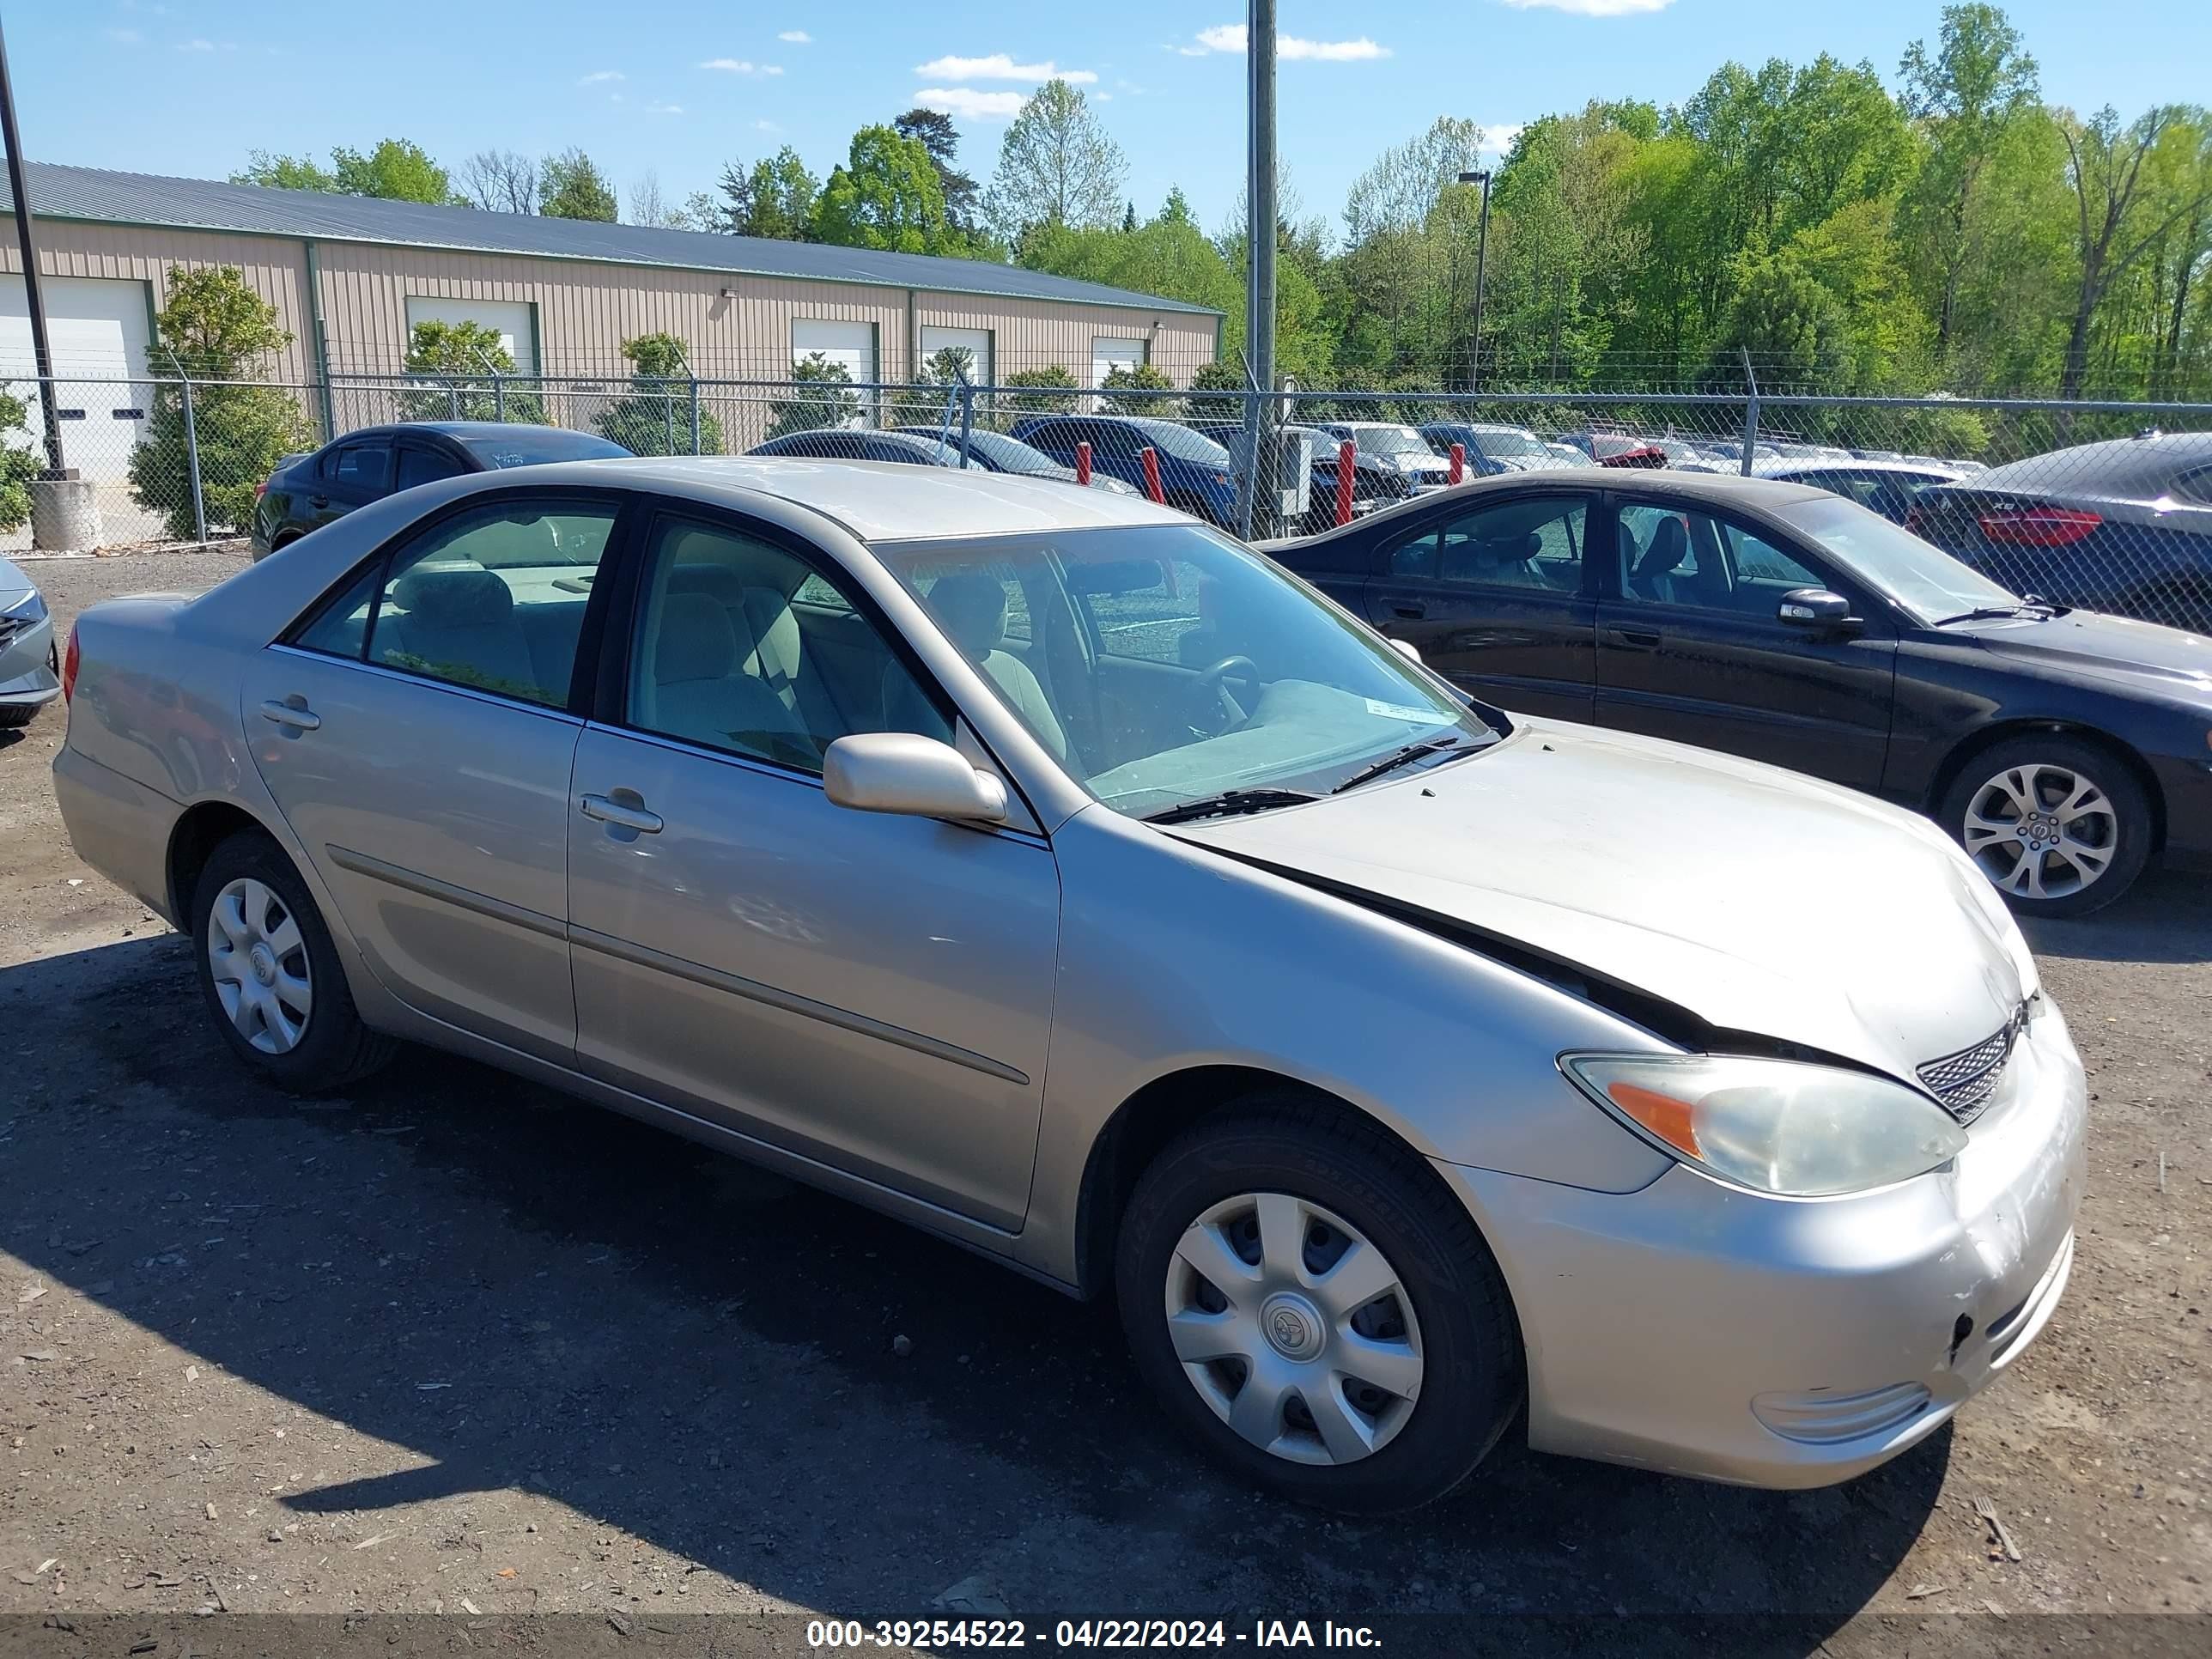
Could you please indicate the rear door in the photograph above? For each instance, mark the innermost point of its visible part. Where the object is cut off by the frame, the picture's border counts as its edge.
(350, 475)
(416, 733)
(422, 460)
(1496, 599)
(1691, 647)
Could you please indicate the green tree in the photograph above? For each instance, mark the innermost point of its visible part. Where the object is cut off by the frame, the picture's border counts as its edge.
(21, 461)
(821, 396)
(776, 199)
(465, 356)
(931, 398)
(1050, 382)
(397, 170)
(1144, 378)
(934, 130)
(214, 326)
(571, 186)
(1057, 165)
(1219, 377)
(1792, 328)
(885, 196)
(653, 418)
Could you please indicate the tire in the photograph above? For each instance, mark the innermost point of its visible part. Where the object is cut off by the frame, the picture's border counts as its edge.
(1327, 1175)
(330, 1047)
(2004, 795)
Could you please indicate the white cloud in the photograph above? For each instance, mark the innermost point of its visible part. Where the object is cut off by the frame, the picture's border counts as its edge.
(796, 38)
(596, 76)
(740, 66)
(1593, 8)
(1001, 67)
(1229, 37)
(195, 45)
(663, 109)
(1498, 138)
(126, 37)
(766, 125)
(972, 103)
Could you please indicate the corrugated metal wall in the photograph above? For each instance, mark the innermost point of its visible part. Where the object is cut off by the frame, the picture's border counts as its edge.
(585, 310)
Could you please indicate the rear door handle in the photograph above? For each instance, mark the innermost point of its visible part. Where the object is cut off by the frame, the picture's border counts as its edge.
(621, 815)
(1410, 612)
(318, 500)
(1637, 639)
(295, 715)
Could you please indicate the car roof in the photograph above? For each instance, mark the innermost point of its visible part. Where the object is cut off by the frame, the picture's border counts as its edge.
(876, 501)
(462, 430)
(1715, 490)
(1789, 464)
(2144, 464)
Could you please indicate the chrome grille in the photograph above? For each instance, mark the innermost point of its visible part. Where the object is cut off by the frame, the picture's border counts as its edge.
(1964, 1081)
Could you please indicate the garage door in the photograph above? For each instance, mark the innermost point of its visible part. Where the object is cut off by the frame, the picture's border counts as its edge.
(975, 342)
(515, 321)
(99, 329)
(853, 344)
(1108, 354)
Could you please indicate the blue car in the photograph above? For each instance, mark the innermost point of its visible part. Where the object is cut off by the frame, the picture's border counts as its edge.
(1196, 474)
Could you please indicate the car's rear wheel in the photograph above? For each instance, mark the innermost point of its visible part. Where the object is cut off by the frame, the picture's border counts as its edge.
(270, 974)
(2060, 826)
(1316, 1310)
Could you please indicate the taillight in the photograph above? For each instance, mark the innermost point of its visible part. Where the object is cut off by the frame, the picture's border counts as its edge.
(68, 668)
(2039, 526)
(261, 490)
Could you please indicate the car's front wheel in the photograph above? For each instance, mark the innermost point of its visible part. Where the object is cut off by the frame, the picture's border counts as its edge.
(270, 975)
(1314, 1308)
(2060, 826)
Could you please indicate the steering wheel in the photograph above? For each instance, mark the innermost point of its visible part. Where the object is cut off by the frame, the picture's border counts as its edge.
(1213, 693)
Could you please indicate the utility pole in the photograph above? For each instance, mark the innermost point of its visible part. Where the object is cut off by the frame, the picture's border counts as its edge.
(1481, 260)
(41, 353)
(1260, 263)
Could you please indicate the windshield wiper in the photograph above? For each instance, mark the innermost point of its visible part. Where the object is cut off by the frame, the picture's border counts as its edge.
(1391, 762)
(1997, 612)
(1228, 804)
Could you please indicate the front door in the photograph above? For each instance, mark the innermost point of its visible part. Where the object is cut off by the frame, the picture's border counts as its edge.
(871, 992)
(416, 735)
(1691, 646)
(1492, 597)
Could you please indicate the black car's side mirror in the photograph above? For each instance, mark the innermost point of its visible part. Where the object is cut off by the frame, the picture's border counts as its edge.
(1815, 607)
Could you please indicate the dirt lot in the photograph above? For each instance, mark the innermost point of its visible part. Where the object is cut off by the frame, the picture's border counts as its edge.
(458, 1344)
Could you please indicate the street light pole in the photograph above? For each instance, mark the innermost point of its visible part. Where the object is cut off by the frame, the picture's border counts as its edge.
(41, 354)
(1481, 261)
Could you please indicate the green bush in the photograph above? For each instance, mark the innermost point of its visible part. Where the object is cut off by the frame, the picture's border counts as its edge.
(821, 396)
(1051, 379)
(20, 461)
(1143, 378)
(214, 327)
(653, 418)
(465, 354)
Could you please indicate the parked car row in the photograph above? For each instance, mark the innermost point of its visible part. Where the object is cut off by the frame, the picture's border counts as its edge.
(1419, 1071)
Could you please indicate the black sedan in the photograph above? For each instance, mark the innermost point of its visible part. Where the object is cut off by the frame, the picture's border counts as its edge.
(2063, 749)
(305, 491)
(2124, 527)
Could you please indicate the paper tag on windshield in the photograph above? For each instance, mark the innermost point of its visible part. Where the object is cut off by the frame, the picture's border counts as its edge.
(1399, 711)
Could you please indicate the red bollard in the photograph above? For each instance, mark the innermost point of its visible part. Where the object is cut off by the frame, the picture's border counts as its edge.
(1083, 464)
(1343, 454)
(1458, 464)
(1151, 458)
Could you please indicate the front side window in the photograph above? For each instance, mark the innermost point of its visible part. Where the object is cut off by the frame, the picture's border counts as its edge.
(494, 599)
(422, 466)
(1520, 543)
(744, 647)
(1164, 665)
(1669, 555)
(361, 468)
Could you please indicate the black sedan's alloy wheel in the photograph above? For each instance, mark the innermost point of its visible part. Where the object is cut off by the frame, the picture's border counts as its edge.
(2060, 826)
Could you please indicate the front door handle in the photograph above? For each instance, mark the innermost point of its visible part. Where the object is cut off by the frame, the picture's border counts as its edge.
(1637, 639)
(621, 814)
(293, 712)
(318, 501)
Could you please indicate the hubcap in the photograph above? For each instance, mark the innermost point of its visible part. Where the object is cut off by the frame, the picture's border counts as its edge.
(259, 963)
(2041, 831)
(1294, 1328)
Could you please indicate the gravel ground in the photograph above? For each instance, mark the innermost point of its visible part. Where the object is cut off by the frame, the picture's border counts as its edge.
(456, 1343)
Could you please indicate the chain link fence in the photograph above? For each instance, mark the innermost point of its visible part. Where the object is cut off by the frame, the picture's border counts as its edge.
(2104, 505)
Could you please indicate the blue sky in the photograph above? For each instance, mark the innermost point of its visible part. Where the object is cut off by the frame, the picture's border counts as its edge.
(678, 86)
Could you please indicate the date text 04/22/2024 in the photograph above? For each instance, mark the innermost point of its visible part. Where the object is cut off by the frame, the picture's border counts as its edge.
(1110, 1633)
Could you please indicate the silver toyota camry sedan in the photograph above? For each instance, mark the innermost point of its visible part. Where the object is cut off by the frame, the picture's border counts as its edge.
(1050, 871)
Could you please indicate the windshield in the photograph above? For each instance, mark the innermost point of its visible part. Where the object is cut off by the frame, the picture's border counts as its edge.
(1162, 664)
(1504, 441)
(1915, 574)
(1390, 440)
(1006, 454)
(529, 447)
(1182, 443)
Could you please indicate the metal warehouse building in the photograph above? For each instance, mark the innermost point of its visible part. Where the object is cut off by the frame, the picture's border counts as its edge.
(349, 276)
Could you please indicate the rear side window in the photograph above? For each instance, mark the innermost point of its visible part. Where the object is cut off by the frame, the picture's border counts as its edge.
(422, 466)
(360, 466)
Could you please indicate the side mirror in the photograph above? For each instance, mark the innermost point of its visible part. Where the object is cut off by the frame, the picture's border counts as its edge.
(1406, 649)
(1815, 607)
(912, 775)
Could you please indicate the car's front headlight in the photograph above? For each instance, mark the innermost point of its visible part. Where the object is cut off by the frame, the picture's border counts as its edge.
(1774, 1126)
(29, 608)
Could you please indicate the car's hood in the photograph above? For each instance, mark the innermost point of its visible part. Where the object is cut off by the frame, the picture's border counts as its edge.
(2109, 648)
(1760, 901)
(14, 584)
